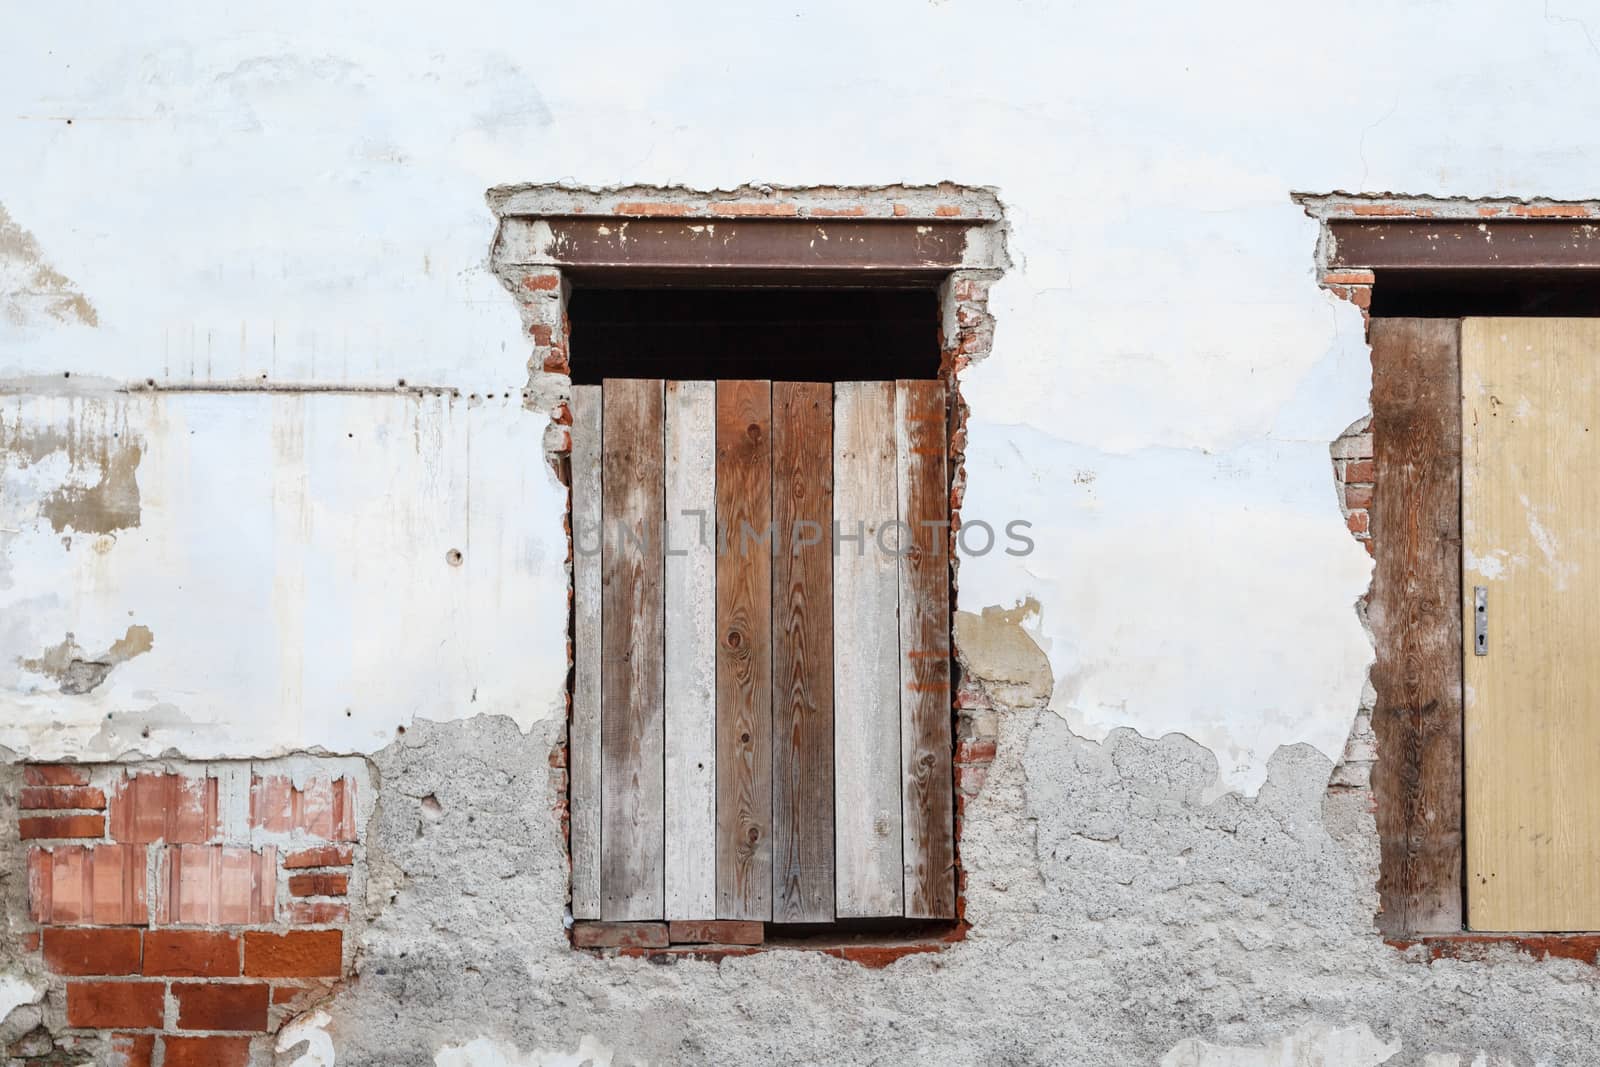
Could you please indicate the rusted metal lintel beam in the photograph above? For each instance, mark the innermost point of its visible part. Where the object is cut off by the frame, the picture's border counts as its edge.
(1463, 244)
(742, 244)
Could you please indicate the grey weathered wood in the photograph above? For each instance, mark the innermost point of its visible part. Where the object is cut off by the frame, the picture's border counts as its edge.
(866, 688)
(583, 732)
(632, 756)
(924, 574)
(744, 650)
(802, 652)
(1415, 613)
(691, 651)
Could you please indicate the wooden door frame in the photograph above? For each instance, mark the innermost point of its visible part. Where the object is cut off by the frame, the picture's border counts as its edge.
(948, 238)
(1414, 605)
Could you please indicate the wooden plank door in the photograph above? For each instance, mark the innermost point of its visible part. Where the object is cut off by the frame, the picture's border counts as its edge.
(1531, 540)
(583, 738)
(802, 652)
(691, 651)
(744, 650)
(927, 801)
(870, 878)
(632, 739)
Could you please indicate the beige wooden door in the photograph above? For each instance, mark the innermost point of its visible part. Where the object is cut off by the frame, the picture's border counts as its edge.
(1531, 542)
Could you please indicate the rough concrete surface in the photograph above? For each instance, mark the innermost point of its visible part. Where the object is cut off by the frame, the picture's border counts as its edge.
(1117, 919)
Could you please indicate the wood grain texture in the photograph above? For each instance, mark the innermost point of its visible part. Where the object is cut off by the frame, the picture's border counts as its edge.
(866, 676)
(802, 652)
(583, 732)
(1416, 622)
(928, 806)
(691, 651)
(632, 756)
(744, 650)
(1531, 510)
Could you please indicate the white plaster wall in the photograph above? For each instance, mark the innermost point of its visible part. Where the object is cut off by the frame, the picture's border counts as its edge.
(296, 191)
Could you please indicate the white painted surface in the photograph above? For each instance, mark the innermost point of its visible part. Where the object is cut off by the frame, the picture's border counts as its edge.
(298, 191)
(1316, 1044)
(488, 1052)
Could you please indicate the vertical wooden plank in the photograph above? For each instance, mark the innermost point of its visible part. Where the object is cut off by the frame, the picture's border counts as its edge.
(928, 806)
(1530, 509)
(802, 652)
(632, 757)
(583, 732)
(1416, 622)
(691, 643)
(744, 650)
(866, 635)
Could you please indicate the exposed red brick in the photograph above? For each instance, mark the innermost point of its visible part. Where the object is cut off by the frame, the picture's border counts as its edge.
(1551, 211)
(219, 884)
(1488, 211)
(174, 808)
(541, 332)
(36, 827)
(51, 798)
(542, 283)
(1356, 522)
(132, 1050)
(1584, 948)
(875, 957)
(766, 208)
(716, 932)
(1358, 496)
(298, 954)
(322, 808)
(947, 211)
(289, 993)
(641, 207)
(54, 774)
(30, 942)
(1361, 297)
(116, 1005)
(619, 935)
(1361, 470)
(975, 752)
(320, 884)
(191, 954)
(81, 951)
(317, 912)
(322, 856)
(971, 777)
(901, 210)
(221, 1005)
(1349, 277)
(854, 211)
(206, 1051)
(101, 885)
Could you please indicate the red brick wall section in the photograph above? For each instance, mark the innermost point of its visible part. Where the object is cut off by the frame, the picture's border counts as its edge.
(1353, 476)
(169, 935)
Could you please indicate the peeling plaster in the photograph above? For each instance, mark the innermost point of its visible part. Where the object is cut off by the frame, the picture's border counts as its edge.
(310, 1030)
(79, 674)
(998, 653)
(487, 1052)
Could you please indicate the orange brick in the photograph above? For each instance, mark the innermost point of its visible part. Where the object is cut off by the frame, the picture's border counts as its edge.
(638, 207)
(175, 808)
(219, 884)
(1550, 211)
(947, 211)
(1359, 471)
(54, 774)
(298, 954)
(35, 827)
(1357, 522)
(132, 1050)
(541, 283)
(619, 935)
(855, 211)
(83, 951)
(1358, 496)
(325, 856)
(317, 912)
(320, 884)
(48, 798)
(221, 1005)
(191, 954)
(206, 1051)
(107, 1005)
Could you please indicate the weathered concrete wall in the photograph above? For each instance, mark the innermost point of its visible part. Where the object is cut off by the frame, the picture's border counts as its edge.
(228, 237)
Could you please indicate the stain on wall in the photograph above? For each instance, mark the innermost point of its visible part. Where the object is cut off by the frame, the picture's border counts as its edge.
(31, 290)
